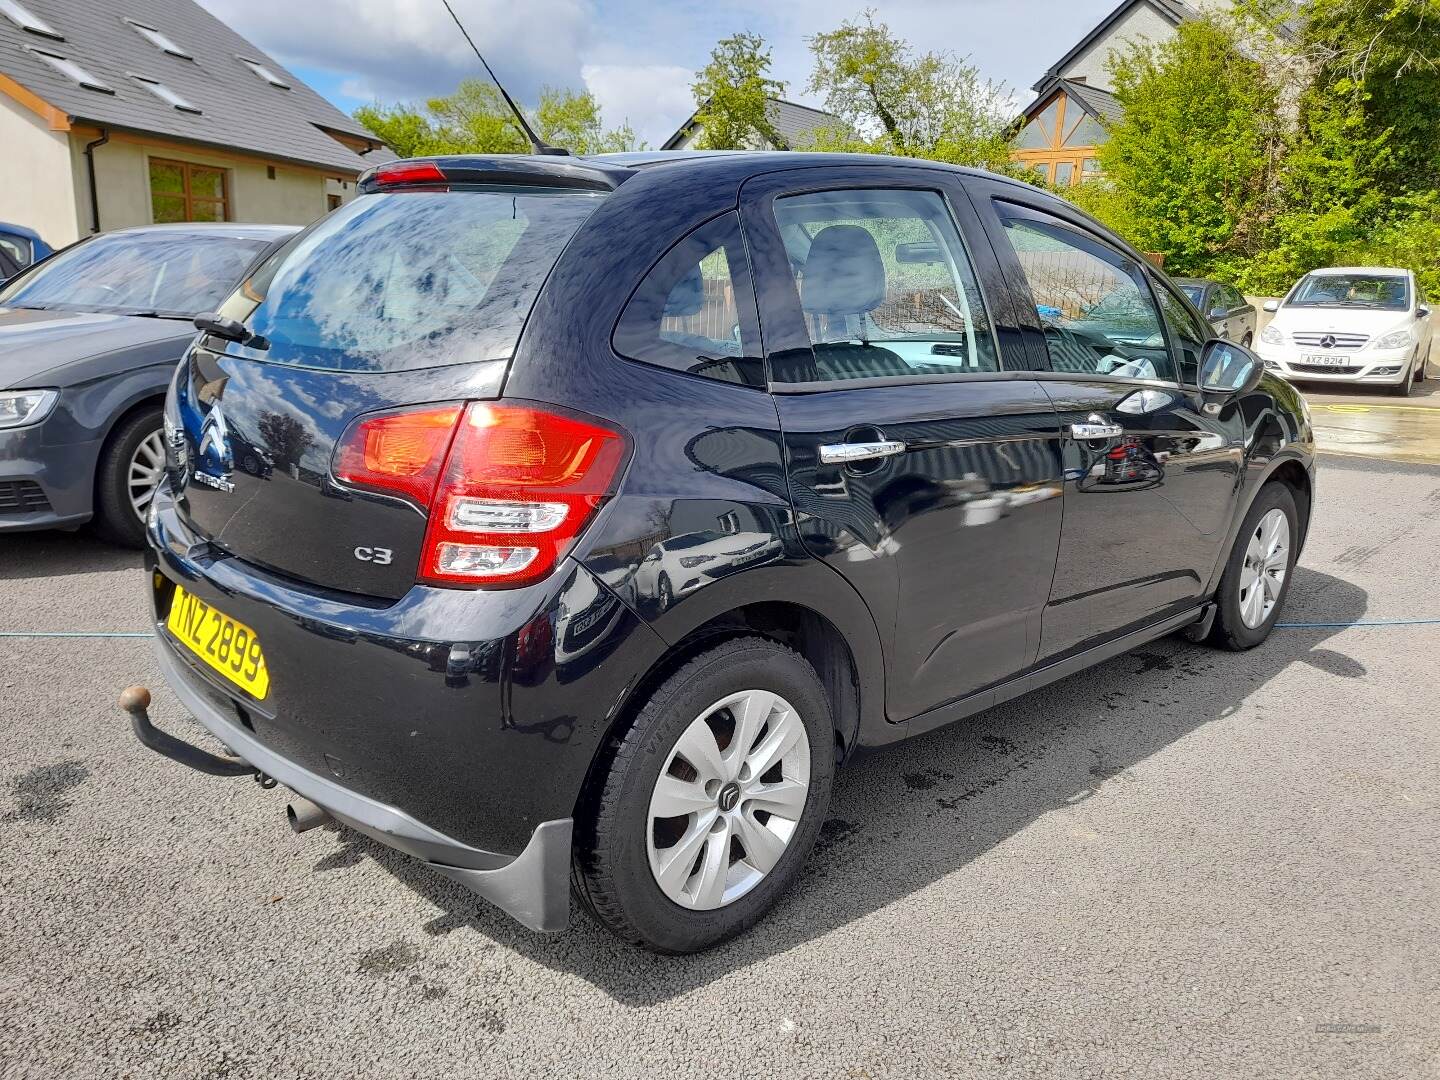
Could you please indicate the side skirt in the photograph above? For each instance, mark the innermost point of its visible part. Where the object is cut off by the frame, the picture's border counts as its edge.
(1023, 684)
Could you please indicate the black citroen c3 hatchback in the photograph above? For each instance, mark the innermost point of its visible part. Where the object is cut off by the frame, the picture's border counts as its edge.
(566, 522)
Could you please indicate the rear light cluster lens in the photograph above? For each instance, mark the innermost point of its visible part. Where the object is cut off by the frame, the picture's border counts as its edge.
(507, 488)
(408, 172)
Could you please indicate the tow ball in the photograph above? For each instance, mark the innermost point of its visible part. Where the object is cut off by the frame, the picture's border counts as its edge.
(135, 700)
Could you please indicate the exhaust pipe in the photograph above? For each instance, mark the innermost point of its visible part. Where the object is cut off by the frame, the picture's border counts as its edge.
(305, 815)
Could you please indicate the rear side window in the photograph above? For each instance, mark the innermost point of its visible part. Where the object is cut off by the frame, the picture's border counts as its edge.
(695, 310)
(410, 279)
(885, 286)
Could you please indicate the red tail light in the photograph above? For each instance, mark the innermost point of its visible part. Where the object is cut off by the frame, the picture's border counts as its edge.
(399, 452)
(518, 484)
(408, 172)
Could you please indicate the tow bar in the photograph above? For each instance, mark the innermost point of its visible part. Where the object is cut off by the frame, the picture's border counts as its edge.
(135, 700)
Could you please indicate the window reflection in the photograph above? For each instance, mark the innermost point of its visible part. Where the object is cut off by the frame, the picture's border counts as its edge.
(412, 279)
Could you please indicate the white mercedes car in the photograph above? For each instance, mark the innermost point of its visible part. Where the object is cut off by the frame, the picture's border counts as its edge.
(1352, 324)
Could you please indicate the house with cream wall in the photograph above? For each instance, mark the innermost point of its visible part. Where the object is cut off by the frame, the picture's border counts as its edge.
(116, 113)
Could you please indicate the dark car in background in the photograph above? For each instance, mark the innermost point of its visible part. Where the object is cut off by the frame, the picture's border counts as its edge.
(88, 341)
(19, 247)
(1233, 317)
(928, 439)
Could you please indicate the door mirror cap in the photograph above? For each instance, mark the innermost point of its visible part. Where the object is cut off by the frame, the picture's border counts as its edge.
(1271, 305)
(1217, 313)
(1229, 370)
(1422, 312)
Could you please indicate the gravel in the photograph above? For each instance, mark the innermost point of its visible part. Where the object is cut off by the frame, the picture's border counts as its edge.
(1181, 863)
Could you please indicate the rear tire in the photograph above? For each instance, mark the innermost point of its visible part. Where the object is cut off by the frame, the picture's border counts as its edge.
(622, 845)
(1242, 619)
(128, 457)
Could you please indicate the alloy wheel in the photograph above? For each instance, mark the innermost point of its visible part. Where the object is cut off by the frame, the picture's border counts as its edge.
(728, 800)
(147, 466)
(1262, 575)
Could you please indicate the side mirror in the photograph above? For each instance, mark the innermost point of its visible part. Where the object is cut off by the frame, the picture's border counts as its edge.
(1228, 370)
(1271, 305)
(1217, 313)
(1421, 312)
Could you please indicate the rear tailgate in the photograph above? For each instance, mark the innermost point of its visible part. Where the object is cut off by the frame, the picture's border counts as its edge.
(400, 298)
(260, 439)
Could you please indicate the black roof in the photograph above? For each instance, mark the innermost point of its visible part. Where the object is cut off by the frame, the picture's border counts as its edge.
(608, 171)
(238, 109)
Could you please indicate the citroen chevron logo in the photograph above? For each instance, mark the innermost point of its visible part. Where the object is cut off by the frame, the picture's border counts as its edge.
(214, 453)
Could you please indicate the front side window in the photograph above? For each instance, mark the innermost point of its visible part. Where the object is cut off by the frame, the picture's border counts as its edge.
(1387, 292)
(129, 273)
(1190, 333)
(885, 286)
(1093, 302)
(401, 280)
(184, 191)
(695, 311)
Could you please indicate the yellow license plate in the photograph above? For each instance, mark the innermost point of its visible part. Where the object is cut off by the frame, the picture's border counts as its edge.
(226, 644)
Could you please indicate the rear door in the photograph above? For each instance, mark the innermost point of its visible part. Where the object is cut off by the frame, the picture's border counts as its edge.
(922, 466)
(1151, 479)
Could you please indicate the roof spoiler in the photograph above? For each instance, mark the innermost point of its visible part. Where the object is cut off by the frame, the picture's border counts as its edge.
(511, 170)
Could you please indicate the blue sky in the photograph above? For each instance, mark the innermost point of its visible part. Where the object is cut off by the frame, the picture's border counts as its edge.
(638, 58)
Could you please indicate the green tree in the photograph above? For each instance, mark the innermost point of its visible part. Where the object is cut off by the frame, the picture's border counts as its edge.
(476, 120)
(891, 100)
(565, 118)
(1191, 168)
(732, 96)
(1383, 58)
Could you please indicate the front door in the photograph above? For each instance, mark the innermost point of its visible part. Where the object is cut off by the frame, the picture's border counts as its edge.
(1151, 479)
(922, 467)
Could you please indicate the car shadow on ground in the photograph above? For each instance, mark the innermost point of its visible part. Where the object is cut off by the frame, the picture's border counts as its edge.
(52, 553)
(905, 818)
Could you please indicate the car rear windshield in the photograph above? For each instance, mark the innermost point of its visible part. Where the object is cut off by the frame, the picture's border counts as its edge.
(155, 273)
(1388, 292)
(409, 279)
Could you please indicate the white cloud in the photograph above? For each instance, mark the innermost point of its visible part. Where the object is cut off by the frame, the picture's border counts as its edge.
(652, 98)
(411, 49)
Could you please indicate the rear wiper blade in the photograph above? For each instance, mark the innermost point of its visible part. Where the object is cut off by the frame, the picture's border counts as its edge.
(230, 329)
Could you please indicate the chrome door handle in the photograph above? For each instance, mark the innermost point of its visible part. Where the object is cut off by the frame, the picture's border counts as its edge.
(1097, 427)
(845, 452)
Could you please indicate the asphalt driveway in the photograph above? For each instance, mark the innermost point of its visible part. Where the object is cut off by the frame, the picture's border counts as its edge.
(1182, 863)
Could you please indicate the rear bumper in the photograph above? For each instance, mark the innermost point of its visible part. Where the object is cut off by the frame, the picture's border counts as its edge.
(533, 887)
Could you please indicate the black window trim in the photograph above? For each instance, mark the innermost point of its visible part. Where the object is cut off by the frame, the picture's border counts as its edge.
(1141, 264)
(934, 183)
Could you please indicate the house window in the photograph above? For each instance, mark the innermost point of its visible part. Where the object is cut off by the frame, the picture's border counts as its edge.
(333, 202)
(156, 38)
(72, 71)
(265, 73)
(26, 20)
(182, 191)
(165, 94)
(1059, 141)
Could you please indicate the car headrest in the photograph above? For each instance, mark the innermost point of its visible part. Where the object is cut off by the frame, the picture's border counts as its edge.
(687, 296)
(844, 274)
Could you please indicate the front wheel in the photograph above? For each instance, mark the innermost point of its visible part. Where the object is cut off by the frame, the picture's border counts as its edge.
(710, 801)
(131, 466)
(1258, 572)
(1403, 388)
